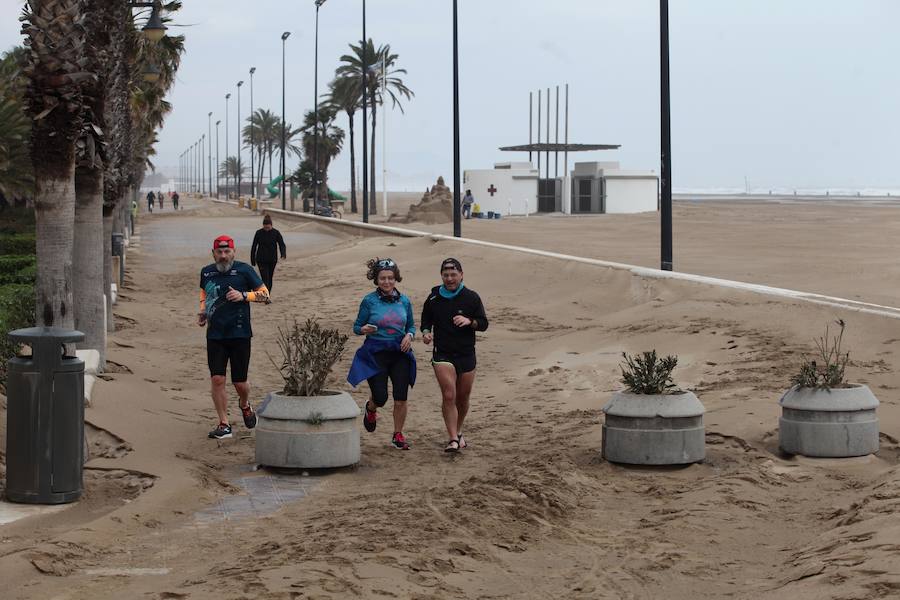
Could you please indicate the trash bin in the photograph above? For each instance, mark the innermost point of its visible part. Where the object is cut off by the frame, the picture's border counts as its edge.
(45, 419)
(118, 244)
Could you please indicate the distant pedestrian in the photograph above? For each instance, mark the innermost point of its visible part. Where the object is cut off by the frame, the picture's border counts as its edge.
(133, 214)
(150, 198)
(160, 197)
(265, 249)
(226, 289)
(175, 199)
(467, 202)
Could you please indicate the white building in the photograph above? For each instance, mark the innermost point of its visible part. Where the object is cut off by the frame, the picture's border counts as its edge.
(515, 188)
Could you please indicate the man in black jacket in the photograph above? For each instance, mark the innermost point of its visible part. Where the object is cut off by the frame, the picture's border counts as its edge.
(450, 317)
(264, 251)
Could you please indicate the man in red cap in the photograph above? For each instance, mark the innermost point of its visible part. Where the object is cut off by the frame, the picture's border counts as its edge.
(227, 287)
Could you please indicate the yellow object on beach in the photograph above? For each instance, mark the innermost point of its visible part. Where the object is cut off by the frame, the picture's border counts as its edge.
(476, 208)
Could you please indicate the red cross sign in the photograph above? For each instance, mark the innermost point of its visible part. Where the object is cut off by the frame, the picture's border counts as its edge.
(492, 190)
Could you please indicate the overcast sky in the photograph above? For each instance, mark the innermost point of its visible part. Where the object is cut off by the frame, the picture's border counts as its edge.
(789, 94)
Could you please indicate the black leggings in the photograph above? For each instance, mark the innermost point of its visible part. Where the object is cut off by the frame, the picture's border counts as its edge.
(394, 364)
(266, 271)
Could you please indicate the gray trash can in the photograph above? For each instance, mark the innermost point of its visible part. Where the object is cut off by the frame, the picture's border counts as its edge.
(118, 244)
(45, 419)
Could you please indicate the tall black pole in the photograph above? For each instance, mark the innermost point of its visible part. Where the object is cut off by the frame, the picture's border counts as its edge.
(284, 36)
(227, 174)
(457, 216)
(316, 115)
(239, 165)
(217, 158)
(548, 135)
(665, 139)
(365, 89)
(539, 134)
(566, 151)
(202, 163)
(252, 138)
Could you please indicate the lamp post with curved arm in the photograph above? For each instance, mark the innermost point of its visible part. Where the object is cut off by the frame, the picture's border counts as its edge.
(227, 174)
(239, 166)
(284, 37)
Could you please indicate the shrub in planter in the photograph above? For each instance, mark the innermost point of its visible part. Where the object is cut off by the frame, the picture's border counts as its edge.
(18, 269)
(822, 414)
(652, 422)
(304, 425)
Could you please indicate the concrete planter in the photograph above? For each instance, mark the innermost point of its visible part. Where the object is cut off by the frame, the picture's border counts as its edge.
(308, 432)
(659, 429)
(836, 423)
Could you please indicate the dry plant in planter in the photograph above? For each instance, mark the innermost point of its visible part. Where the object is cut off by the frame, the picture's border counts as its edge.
(648, 374)
(824, 415)
(309, 352)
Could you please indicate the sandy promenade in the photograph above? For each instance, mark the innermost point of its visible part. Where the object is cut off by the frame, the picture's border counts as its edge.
(529, 510)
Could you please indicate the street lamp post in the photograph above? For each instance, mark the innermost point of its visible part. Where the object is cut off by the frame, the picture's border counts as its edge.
(284, 36)
(316, 177)
(202, 165)
(217, 158)
(227, 174)
(365, 160)
(209, 151)
(457, 221)
(252, 139)
(665, 211)
(239, 166)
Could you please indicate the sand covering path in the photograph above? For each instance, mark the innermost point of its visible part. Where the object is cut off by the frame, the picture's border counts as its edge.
(529, 510)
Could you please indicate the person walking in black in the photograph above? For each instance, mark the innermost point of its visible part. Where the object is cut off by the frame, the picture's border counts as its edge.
(150, 198)
(175, 199)
(264, 251)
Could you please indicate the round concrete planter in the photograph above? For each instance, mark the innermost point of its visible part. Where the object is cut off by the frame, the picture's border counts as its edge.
(308, 432)
(835, 423)
(658, 429)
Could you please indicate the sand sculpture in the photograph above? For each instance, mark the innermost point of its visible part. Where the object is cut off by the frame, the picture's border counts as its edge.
(436, 206)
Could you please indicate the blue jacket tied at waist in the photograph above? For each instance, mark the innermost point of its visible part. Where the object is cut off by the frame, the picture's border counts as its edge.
(364, 363)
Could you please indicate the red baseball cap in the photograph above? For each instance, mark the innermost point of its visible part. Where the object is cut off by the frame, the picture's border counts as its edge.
(223, 241)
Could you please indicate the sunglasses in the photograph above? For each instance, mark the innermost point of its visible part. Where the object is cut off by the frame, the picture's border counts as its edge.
(386, 263)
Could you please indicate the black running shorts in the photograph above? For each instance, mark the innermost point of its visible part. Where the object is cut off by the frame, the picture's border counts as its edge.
(234, 350)
(462, 363)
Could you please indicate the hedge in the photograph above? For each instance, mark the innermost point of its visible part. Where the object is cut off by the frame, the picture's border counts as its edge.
(16, 312)
(17, 243)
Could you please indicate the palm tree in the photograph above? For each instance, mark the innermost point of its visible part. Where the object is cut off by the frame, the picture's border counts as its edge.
(231, 167)
(396, 89)
(330, 138)
(55, 37)
(262, 133)
(345, 96)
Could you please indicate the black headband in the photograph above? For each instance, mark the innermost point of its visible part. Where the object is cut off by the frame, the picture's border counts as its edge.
(451, 263)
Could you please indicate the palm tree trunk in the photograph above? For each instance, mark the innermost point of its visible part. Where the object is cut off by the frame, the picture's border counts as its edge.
(88, 260)
(54, 213)
(350, 116)
(373, 210)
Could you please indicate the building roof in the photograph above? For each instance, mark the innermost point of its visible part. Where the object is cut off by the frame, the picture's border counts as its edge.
(550, 147)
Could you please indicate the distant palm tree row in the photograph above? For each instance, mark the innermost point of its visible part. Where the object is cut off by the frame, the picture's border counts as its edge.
(344, 97)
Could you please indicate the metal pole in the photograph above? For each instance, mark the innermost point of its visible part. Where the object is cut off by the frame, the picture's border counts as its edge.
(384, 190)
(209, 152)
(530, 120)
(365, 154)
(539, 134)
(556, 138)
(457, 216)
(217, 159)
(227, 174)
(548, 134)
(566, 151)
(316, 116)
(665, 140)
(202, 164)
(240, 168)
(284, 36)
(252, 139)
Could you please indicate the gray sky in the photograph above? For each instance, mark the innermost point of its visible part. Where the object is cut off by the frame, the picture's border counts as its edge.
(790, 94)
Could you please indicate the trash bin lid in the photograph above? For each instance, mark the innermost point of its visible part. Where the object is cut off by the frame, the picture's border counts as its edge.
(36, 335)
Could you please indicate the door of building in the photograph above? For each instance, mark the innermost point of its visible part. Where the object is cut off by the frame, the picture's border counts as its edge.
(546, 195)
(583, 199)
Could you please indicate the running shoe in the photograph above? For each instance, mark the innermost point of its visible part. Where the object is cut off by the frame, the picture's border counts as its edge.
(369, 417)
(249, 416)
(222, 431)
(399, 442)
